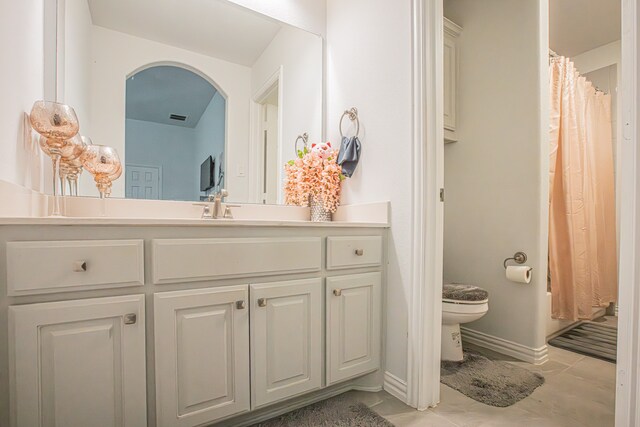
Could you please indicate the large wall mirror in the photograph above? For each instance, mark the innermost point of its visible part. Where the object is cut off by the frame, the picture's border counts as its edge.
(195, 95)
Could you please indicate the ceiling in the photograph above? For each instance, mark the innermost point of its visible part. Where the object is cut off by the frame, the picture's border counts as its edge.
(212, 27)
(576, 26)
(156, 93)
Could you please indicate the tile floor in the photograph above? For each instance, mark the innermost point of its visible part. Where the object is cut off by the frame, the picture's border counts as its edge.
(579, 391)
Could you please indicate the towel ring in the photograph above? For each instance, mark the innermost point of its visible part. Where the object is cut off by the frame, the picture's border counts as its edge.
(353, 116)
(305, 138)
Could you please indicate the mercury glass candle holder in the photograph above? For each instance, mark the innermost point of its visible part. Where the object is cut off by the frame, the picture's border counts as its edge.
(70, 171)
(104, 164)
(57, 124)
(70, 165)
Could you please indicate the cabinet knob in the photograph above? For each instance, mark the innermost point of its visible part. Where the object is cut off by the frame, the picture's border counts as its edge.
(262, 302)
(337, 292)
(240, 305)
(130, 319)
(80, 266)
(359, 252)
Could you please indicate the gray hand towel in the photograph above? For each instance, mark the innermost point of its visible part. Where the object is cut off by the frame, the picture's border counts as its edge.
(349, 155)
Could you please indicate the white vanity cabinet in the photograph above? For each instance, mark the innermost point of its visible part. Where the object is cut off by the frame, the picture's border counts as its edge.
(286, 339)
(450, 62)
(241, 324)
(202, 355)
(78, 363)
(353, 325)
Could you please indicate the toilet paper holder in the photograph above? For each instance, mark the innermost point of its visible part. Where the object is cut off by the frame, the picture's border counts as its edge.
(518, 257)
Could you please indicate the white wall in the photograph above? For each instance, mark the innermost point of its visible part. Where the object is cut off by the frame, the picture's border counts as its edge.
(21, 83)
(117, 55)
(369, 67)
(76, 69)
(300, 55)
(495, 176)
(310, 15)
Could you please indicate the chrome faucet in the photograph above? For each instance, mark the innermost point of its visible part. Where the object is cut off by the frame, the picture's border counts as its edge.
(217, 203)
(215, 211)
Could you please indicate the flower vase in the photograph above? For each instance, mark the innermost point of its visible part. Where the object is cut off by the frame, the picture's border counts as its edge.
(318, 211)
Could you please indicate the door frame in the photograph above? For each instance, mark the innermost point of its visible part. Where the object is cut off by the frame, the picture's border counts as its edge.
(425, 310)
(255, 144)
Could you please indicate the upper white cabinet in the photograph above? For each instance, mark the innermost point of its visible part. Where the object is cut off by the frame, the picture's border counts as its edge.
(353, 325)
(202, 355)
(286, 339)
(451, 33)
(78, 363)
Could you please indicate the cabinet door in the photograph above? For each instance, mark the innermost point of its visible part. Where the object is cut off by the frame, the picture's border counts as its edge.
(450, 74)
(286, 339)
(202, 355)
(78, 363)
(353, 325)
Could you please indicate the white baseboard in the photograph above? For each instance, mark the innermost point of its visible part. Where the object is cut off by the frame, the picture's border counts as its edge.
(395, 386)
(536, 356)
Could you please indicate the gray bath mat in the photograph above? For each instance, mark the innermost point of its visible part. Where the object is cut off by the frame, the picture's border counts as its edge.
(339, 411)
(491, 382)
(590, 339)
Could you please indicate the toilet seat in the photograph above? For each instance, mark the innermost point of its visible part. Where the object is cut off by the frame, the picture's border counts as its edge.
(459, 293)
(453, 301)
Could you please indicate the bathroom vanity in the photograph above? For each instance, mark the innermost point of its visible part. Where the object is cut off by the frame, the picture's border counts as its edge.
(185, 323)
(138, 310)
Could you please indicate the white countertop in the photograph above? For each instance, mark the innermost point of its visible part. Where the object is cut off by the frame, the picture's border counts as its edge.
(23, 206)
(182, 222)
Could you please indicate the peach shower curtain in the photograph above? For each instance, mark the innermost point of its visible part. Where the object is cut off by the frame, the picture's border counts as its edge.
(582, 227)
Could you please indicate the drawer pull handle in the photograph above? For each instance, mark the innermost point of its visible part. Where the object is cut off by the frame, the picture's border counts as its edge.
(262, 302)
(337, 292)
(240, 305)
(80, 266)
(130, 319)
(359, 252)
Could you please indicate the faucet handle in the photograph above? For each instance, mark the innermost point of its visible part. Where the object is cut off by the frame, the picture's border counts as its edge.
(227, 210)
(206, 211)
(223, 193)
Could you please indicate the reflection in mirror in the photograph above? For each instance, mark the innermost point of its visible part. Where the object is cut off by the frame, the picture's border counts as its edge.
(196, 98)
(175, 127)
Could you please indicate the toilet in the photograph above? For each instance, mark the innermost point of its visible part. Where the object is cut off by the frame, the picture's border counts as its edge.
(460, 304)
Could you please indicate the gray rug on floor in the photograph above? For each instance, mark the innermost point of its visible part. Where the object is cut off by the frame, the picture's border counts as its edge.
(492, 382)
(590, 339)
(339, 411)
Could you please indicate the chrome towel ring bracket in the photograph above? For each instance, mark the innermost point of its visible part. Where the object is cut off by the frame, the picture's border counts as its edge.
(353, 116)
(518, 257)
(304, 138)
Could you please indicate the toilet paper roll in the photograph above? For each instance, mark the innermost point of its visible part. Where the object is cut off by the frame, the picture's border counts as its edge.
(519, 273)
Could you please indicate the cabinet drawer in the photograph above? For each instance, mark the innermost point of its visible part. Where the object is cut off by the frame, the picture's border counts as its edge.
(62, 266)
(190, 260)
(353, 251)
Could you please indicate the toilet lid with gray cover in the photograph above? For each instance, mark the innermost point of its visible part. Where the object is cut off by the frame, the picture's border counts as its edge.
(462, 292)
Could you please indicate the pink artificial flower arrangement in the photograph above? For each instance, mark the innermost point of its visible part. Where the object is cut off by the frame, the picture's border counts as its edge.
(314, 173)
